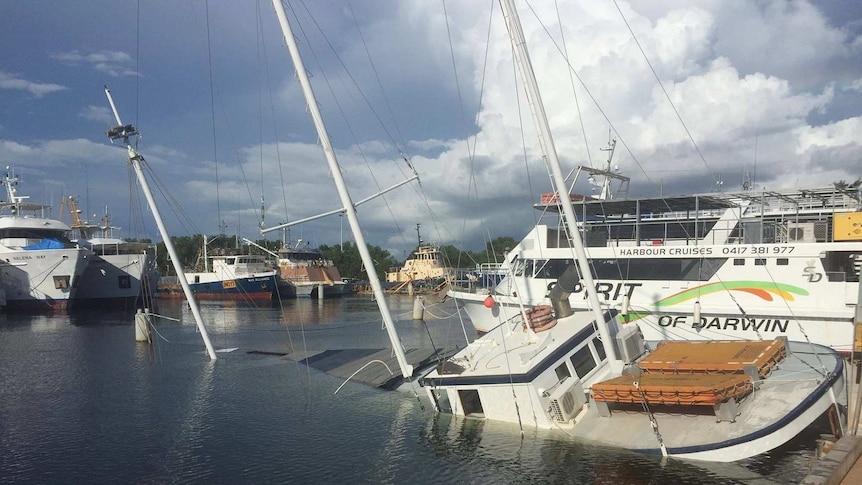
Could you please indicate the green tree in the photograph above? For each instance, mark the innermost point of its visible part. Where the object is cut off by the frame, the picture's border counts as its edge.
(187, 248)
(349, 262)
(496, 249)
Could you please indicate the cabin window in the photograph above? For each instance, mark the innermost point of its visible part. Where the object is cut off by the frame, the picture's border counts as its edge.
(739, 262)
(518, 267)
(552, 269)
(842, 265)
(562, 372)
(583, 361)
(197, 278)
(557, 239)
(124, 281)
(760, 262)
(230, 261)
(539, 267)
(782, 261)
(600, 350)
(529, 267)
(61, 282)
(470, 402)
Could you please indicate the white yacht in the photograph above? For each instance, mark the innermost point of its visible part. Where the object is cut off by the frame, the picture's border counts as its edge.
(39, 265)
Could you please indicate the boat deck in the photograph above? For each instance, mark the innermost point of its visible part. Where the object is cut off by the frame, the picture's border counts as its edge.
(673, 389)
(797, 380)
(695, 373)
(731, 356)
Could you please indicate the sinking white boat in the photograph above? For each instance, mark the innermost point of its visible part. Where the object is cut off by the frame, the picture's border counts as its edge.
(707, 400)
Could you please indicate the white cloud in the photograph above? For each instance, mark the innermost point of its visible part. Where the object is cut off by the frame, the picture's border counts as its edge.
(10, 81)
(97, 113)
(112, 63)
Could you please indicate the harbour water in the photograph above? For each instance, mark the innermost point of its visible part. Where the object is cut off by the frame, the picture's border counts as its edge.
(80, 401)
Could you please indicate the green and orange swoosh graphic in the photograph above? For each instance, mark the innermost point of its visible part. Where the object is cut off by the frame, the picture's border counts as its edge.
(763, 289)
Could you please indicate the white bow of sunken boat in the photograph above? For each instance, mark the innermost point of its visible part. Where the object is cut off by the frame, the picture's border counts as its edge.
(705, 400)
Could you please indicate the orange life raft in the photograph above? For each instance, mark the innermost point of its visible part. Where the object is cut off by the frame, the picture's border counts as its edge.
(694, 373)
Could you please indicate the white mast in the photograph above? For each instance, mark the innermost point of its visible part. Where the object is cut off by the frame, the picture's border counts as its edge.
(346, 202)
(123, 132)
(549, 152)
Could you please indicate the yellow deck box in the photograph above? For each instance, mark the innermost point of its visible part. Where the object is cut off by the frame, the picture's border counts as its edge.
(847, 227)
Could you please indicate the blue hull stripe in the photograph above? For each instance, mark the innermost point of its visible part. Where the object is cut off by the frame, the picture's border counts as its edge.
(259, 284)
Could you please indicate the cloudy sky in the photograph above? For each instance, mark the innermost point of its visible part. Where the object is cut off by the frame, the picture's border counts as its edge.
(694, 92)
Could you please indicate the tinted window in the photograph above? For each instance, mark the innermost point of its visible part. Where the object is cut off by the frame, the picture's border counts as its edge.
(583, 361)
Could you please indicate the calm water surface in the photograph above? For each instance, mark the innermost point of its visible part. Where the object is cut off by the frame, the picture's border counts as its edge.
(81, 401)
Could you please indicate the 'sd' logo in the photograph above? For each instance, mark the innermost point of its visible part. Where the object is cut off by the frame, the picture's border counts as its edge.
(813, 276)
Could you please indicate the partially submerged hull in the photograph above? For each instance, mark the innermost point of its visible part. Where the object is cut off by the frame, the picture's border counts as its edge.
(554, 380)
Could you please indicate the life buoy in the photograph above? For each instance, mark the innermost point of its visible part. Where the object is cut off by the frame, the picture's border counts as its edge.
(540, 318)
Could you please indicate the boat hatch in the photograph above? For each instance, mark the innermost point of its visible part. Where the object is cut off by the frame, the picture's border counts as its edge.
(731, 356)
(673, 389)
(713, 373)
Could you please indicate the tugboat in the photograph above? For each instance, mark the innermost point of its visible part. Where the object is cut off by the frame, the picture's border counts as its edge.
(425, 267)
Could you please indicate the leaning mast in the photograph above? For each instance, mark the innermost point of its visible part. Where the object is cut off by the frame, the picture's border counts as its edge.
(123, 132)
(549, 152)
(346, 202)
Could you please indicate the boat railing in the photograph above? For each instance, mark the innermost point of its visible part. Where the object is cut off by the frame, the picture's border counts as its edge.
(317, 263)
(481, 279)
(488, 267)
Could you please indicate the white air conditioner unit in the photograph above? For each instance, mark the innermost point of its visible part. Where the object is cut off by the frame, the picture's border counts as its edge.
(801, 232)
(567, 401)
(630, 343)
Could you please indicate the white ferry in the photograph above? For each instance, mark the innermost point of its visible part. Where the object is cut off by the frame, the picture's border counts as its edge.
(746, 265)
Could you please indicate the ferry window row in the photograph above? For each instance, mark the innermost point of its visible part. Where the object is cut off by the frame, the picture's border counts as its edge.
(761, 262)
(683, 269)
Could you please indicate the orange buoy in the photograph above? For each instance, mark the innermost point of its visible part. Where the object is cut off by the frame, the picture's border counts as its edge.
(489, 302)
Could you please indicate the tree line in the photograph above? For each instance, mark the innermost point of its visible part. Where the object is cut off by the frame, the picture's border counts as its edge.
(345, 256)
